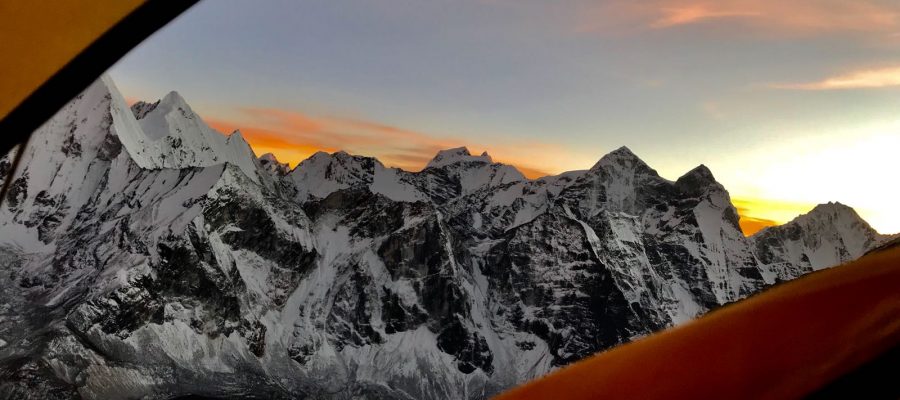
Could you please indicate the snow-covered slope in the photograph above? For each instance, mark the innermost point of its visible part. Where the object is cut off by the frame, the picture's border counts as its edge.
(144, 255)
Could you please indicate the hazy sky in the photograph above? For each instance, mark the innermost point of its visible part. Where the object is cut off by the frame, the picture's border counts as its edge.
(790, 103)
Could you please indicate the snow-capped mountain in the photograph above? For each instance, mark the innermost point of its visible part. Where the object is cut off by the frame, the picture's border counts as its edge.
(145, 255)
(829, 235)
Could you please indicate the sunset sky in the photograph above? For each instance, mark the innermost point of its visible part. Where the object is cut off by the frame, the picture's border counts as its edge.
(789, 103)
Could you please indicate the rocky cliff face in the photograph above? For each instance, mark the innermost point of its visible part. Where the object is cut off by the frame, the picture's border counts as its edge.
(144, 255)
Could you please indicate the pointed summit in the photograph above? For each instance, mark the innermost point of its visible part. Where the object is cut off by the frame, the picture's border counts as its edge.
(700, 172)
(168, 134)
(623, 158)
(457, 155)
(237, 137)
(174, 100)
(697, 179)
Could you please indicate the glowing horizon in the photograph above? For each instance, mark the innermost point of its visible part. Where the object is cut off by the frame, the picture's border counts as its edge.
(755, 213)
(790, 104)
(288, 136)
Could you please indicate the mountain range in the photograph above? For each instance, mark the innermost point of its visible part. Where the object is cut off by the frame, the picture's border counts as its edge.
(145, 255)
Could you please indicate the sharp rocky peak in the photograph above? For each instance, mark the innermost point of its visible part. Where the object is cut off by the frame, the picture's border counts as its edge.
(457, 155)
(269, 157)
(697, 179)
(271, 164)
(142, 108)
(173, 104)
(623, 158)
(237, 137)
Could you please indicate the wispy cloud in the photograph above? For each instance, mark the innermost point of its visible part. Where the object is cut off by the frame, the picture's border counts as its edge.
(693, 13)
(862, 79)
(293, 136)
(769, 17)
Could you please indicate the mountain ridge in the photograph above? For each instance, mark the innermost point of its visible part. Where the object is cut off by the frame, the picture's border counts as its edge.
(129, 272)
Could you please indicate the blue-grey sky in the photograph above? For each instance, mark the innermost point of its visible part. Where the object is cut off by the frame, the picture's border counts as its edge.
(788, 104)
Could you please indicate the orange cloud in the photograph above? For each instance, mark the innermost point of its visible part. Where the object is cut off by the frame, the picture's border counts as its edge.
(870, 78)
(766, 16)
(695, 13)
(293, 136)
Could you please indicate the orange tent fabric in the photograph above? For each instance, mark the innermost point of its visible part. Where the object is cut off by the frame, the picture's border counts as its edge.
(41, 37)
(786, 342)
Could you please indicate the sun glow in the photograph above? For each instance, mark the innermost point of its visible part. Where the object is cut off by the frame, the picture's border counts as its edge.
(757, 214)
(789, 178)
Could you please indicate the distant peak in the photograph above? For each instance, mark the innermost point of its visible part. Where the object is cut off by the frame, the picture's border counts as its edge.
(173, 98)
(623, 157)
(340, 156)
(700, 173)
(829, 213)
(457, 155)
(174, 103)
(623, 151)
(268, 157)
(270, 163)
(832, 208)
(142, 108)
(236, 137)
(459, 151)
(834, 215)
(697, 179)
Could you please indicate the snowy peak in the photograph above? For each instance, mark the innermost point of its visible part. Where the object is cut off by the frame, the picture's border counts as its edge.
(457, 155)
(322, 174)
(270, 164)
(173, 100)
(337, 160)
(171, 135)
(623, 159)
(236, 140)
(830, 234)
(833, 215)
(172, 117)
